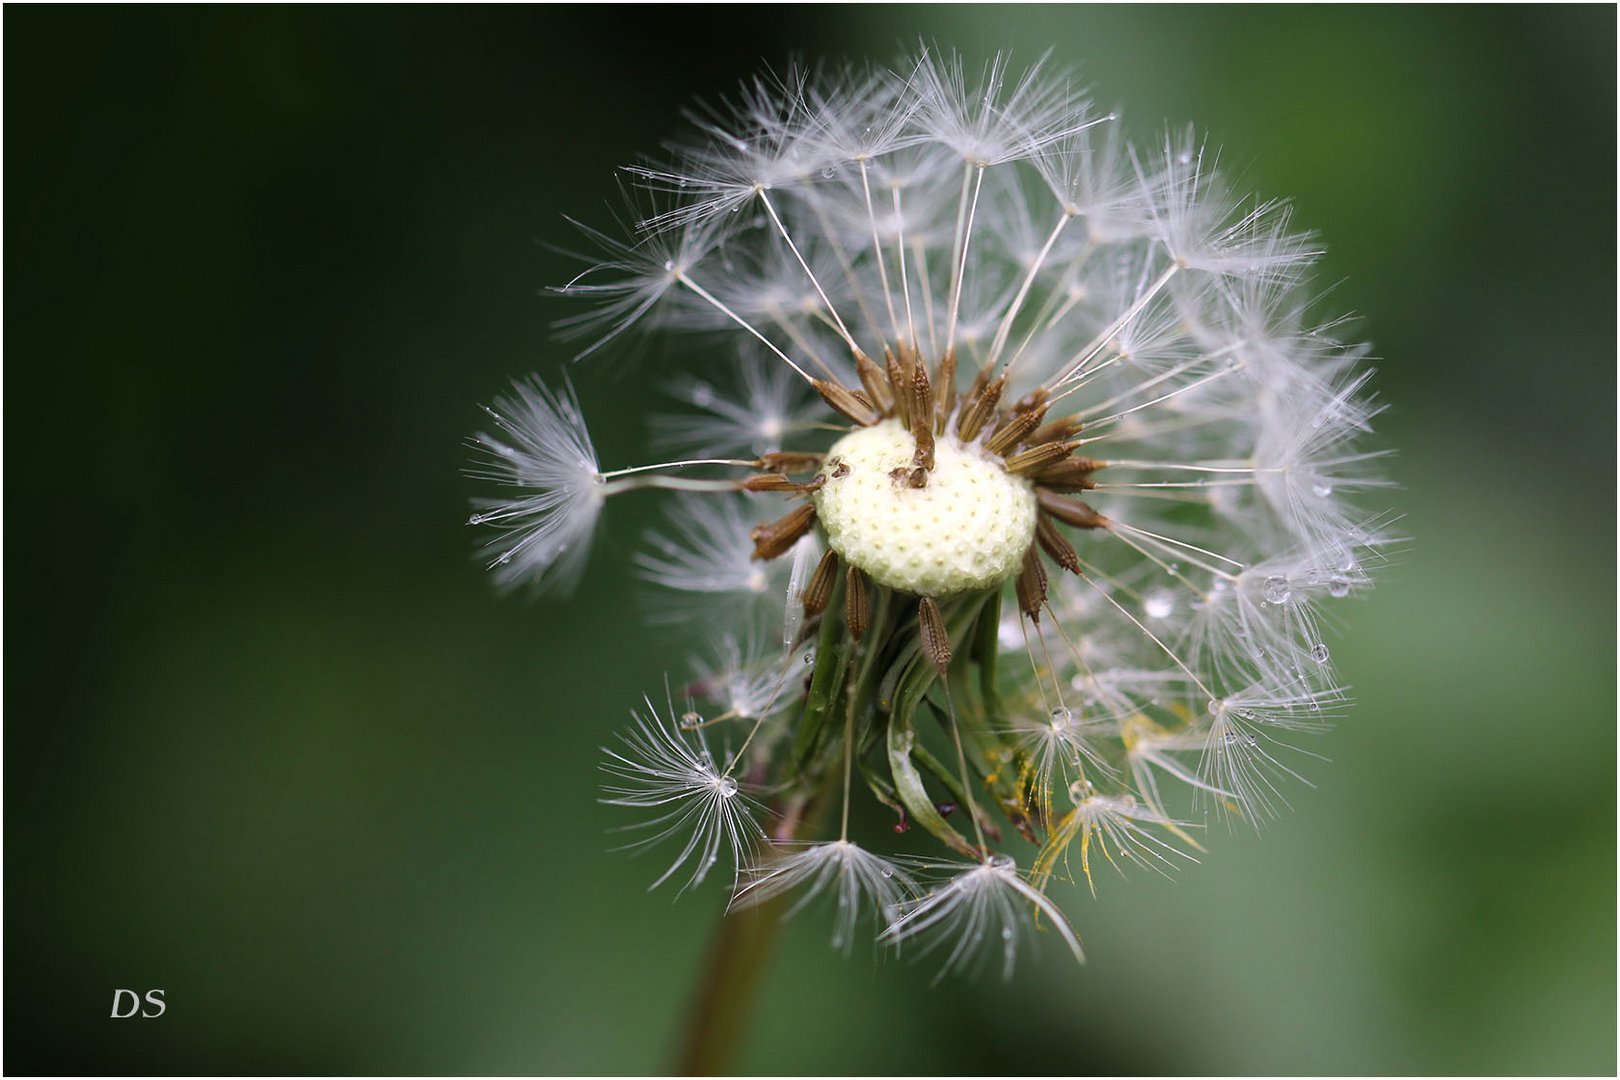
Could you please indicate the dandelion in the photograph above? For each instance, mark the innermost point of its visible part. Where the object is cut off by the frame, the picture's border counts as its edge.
(665, 769)
(863, 883)
(1017, 512)
(981, 904)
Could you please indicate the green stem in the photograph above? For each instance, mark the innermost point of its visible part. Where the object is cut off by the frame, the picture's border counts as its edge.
(741, 949)
(728, 990)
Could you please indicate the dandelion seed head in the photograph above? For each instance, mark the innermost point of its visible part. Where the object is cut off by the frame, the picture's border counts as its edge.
(540, 449)
(1023, 515)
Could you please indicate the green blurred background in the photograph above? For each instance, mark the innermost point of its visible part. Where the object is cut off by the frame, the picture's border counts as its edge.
(272, 745)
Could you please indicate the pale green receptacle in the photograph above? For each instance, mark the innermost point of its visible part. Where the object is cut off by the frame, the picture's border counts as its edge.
(968, 528)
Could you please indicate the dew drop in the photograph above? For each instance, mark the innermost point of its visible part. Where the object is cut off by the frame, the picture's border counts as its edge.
(886, 872)
(1322, 489)
(1006, 933)
(476, 519)
(1215, 707)
(1081, 790)
(728, 787)
(1159, 603)
(691, 721)
(1184, 158)
(1338, 586)
(1277, 591)
(1005, 863)
(809, 657)
(1319, 653)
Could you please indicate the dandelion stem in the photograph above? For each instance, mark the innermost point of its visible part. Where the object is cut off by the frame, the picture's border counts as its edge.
(739, 956)
(727, 991)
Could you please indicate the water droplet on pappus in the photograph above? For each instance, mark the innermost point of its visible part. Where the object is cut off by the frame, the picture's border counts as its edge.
(1277, 591)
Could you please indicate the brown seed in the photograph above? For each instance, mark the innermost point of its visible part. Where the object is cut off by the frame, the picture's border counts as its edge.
(1055, 544)
(875, 382)
(778, 482)
(776, 537)
(946, 382)
(1066, 428)
(1031, 586)
(980, 406)
(935, 641)
(1070, 511)
(857, 604)
(787, 461)
(846, 402)
(818, 590)
(922, 417)
(1073, 474)
(1014, 431)
(899, 378)
(1039, 457)
(1032, 400)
